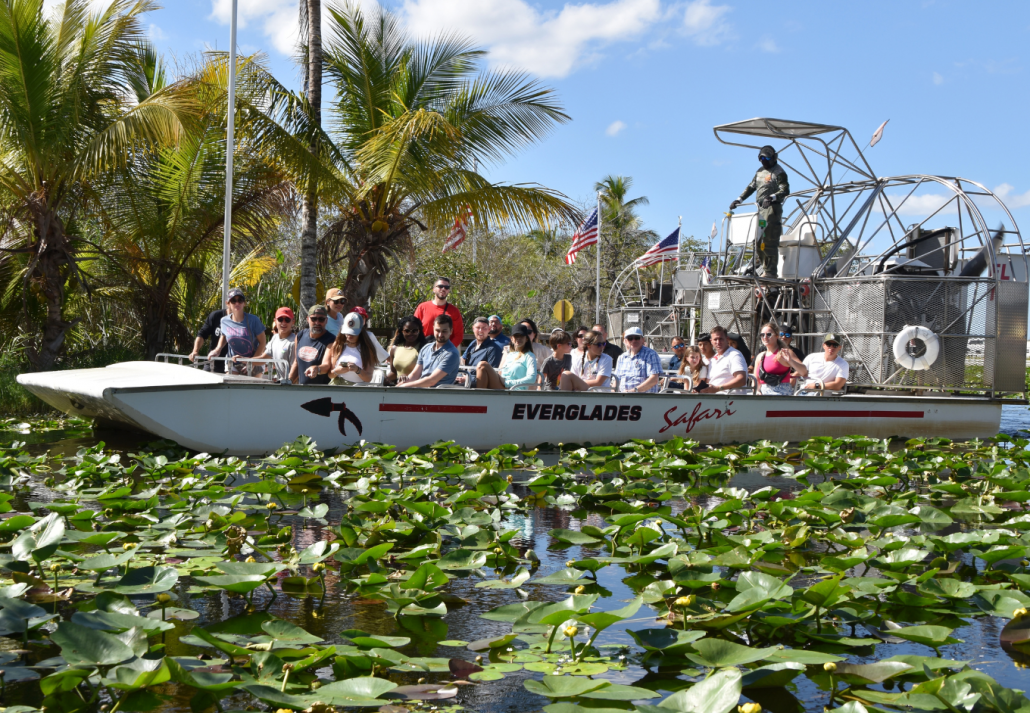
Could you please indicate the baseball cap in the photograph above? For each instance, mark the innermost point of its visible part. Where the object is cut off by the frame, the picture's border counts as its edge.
(704, 337)
(633, 332)
(318, 309)
(352, 324)
(362, 311)
(284, 311)
(235, 292)
(831, 338)
(497, 317)
(334, 293)
(520, 329)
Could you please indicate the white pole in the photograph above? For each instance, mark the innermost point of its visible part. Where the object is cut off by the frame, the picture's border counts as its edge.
(229, 149)
(597, 288)
(475, 169)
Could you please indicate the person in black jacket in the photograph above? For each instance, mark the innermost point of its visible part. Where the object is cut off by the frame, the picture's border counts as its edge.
(211, 329)
(610, 349)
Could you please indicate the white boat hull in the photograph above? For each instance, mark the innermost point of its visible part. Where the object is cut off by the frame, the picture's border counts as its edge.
(207, 412)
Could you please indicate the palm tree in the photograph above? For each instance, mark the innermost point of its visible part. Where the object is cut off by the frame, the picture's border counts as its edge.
(413, 118)
(162, 215)
(623, 237)
(311, 40)
(65, 121)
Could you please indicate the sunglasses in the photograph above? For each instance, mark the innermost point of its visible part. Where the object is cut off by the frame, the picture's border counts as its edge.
(786, 335)
(237, 300)
(410, 330)
(283, 319)
(442, 287)
(835, 345)
(679, 346)
(767, 335)
(633, 338)
(317, 319)
(338, 301)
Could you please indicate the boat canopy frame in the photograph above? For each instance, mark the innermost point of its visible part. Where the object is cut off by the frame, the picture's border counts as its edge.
(903, 250)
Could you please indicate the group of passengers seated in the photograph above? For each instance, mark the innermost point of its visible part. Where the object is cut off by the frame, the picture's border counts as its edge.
(338, 348)
(717, 364)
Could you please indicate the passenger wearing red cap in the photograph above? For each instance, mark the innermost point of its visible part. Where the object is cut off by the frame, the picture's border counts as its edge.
(283, 344)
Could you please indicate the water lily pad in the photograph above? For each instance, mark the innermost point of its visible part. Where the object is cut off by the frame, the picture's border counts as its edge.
(718, 653)
(493, 643)
(238, 583)
(719, 693)
(563, 686)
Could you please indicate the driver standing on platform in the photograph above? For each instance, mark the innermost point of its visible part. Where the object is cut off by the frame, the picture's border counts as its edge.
(770, 184)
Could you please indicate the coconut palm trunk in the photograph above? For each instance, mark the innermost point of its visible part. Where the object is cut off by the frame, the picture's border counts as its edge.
(309, 208)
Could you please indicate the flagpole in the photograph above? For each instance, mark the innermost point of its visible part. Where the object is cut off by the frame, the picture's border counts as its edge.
(597, 287)
(229, 148)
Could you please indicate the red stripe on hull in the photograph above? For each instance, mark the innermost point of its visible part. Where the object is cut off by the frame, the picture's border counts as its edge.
(416, 408)
(844, 414)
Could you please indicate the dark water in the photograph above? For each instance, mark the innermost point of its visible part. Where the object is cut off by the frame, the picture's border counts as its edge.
(337, 612)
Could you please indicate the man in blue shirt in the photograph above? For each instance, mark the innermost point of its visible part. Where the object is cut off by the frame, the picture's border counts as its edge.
(639, 368)
(439, 360)
(482, 348)
(678, 348)
(497, 332)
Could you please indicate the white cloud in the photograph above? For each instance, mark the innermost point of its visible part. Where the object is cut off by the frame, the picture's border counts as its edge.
(921, 205)
(938, 79)
(518, 34)
(768, 44)
(155, 33)
(1012, 200)
(278, 20)
(705, 23)
(615, 128)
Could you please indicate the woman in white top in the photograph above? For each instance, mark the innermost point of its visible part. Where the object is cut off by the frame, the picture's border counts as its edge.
(352, 357)
(283, 344)
(593, 369)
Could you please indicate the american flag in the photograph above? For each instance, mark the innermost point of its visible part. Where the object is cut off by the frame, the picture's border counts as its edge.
(460, 230)
(586, 234)
(667, 249)
(706, 270)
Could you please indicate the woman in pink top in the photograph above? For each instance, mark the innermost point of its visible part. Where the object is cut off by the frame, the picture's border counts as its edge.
(772, 367)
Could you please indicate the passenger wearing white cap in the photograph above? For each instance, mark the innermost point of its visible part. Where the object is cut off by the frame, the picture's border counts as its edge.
(352, 357)
(639, 368)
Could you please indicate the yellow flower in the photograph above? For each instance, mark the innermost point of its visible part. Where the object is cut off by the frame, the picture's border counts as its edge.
(272, 506)
(251, 559)
(318, 567)
(749, 708)
(163, 598)
(571, 631)
(580, 589)
(829, 667)
(683, 602)
(1019, 613)
(569, 563)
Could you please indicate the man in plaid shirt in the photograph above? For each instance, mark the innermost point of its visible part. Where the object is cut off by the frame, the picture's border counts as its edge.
(639, 368)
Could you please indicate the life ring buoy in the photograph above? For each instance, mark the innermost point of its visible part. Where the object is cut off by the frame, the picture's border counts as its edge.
(910, 336)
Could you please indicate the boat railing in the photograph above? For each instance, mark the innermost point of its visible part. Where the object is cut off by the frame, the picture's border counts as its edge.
(275, 370)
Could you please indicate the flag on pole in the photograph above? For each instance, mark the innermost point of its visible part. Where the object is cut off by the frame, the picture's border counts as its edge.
(706, 270)
(715, 231)
(585, 235)
(460, 230)
(877, 135)
(667, 249)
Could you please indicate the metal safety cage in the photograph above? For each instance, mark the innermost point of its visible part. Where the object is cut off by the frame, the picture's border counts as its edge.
(864, 257)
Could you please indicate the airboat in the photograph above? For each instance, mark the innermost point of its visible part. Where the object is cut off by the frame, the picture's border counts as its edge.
(929, 300)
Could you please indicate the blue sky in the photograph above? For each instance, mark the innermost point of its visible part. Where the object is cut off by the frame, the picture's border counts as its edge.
(646, 80)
